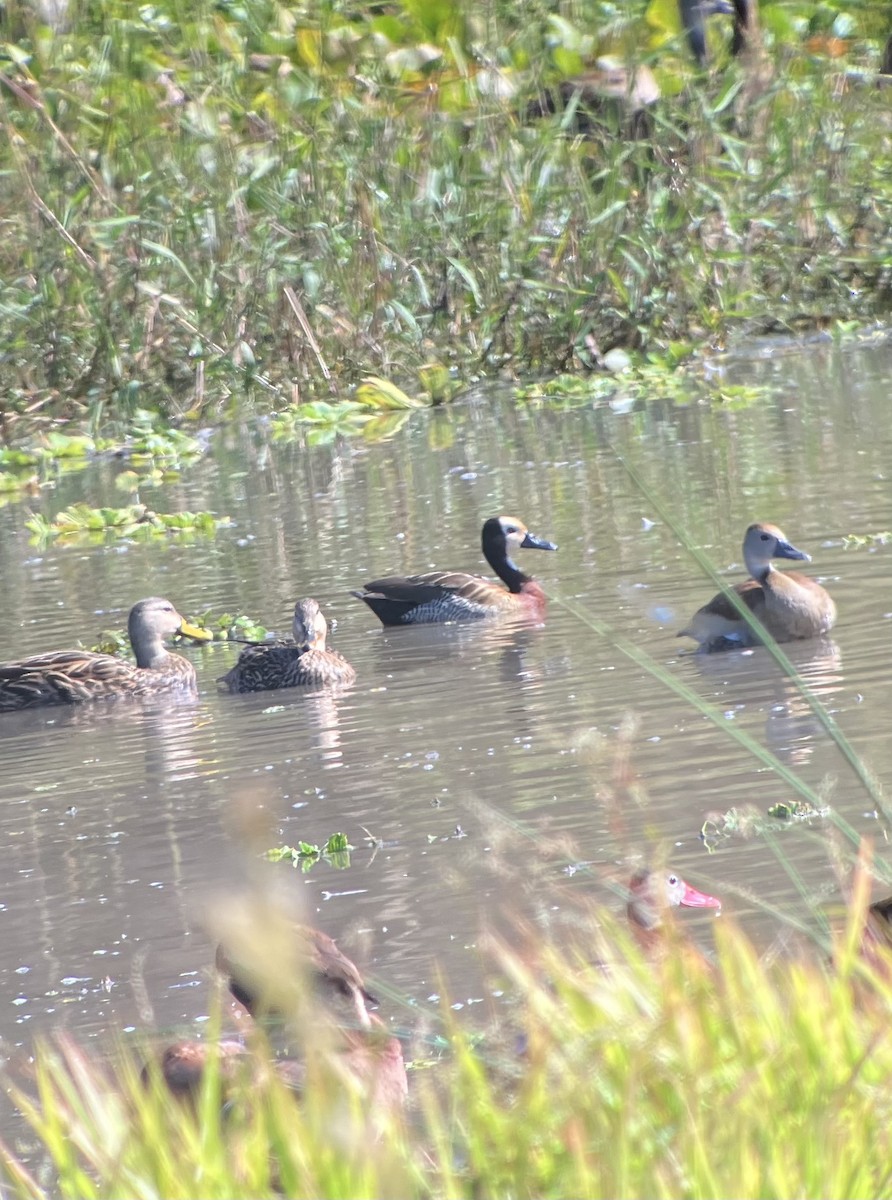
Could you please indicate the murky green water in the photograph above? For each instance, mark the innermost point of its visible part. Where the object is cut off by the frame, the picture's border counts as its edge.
(485, 760)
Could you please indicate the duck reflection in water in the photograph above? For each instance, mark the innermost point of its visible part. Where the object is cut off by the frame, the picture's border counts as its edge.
(792, 728)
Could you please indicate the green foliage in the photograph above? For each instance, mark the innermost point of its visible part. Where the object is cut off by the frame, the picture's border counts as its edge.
(231, 627)
(224, 202)
(860, 541)
(336, 852)
(80, 522)
(154, 454)
(748, 821)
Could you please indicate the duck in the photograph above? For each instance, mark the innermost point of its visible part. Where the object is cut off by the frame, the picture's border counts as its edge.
(182, 1065)
(790, 605)
(876, 938)
(78, 676)
(372, 1059)
(651, 894)
(304, 662)
(337, 978)
(441, 596)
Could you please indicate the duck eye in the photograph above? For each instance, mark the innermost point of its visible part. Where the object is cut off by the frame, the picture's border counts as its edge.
(673, 880)
(766, 537)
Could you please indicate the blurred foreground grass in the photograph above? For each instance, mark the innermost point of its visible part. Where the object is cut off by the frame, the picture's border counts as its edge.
(640, 1076)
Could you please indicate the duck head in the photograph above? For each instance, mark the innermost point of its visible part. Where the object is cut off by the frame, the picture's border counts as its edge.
(151, 622)
(763, 542)
(652, 892)
(507, 534)
(310, 627)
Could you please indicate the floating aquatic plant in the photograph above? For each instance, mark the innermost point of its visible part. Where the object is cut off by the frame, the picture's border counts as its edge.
(80, 521)
(860, 541)
(336, 852)
(231, 627)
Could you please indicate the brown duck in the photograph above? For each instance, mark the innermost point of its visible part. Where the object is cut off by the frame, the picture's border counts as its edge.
(304, 662)
(372, 1057)
(334, 974)
(78, 676)
(788, 604)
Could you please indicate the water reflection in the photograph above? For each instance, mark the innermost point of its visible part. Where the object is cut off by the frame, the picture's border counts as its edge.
(484, 760)
(753, 677)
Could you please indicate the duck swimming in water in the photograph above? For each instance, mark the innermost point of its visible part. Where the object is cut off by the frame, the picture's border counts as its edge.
(440, 596)
(335, 975)
(651, 893)
(305, 662)
(78, 676)
(789, 605)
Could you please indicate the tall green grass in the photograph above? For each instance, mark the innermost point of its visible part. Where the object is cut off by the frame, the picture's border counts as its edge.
(174, 173)
(640, 1076)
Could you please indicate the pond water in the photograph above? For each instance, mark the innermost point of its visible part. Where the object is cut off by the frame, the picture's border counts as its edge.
(486, 761)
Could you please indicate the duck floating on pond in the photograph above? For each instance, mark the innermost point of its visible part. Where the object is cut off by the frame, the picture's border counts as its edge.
(305, 662)
(78, 676)
(440, 596)
(336, 976)
(651, 893)
(372, 1058)
(789, 605)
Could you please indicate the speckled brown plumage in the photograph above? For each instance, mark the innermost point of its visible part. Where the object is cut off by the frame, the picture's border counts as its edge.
(330, 969)
(303, 662)
(78, 676)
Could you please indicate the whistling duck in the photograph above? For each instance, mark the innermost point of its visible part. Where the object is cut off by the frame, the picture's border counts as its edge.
(455, 596)
(788, 604)
(76, 676)
(330, 969)
(305, 662)
(651, 893)
(372, 1057)
(182, 1065)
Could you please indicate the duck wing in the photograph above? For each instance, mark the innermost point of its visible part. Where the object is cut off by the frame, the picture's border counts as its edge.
(63, 677)
(750, 592)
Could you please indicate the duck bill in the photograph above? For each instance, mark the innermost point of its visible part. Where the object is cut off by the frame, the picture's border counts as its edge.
(787, 550)
(532, 542)
(193, 632)
(694, 899)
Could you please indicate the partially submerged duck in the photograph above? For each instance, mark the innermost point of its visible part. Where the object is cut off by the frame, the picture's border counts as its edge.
(371, 1058)
(651, 893)
(305, 662)
(789, 605)
(335, 975)
(440, 596)
(182, 1065)
(77, 676)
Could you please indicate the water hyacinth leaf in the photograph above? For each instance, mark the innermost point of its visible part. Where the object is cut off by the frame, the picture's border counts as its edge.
(12, 458)
(80, 519)
(62, 445)
(375, 392)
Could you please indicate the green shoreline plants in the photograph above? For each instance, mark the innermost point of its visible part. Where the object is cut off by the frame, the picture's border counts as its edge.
(262, 203)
